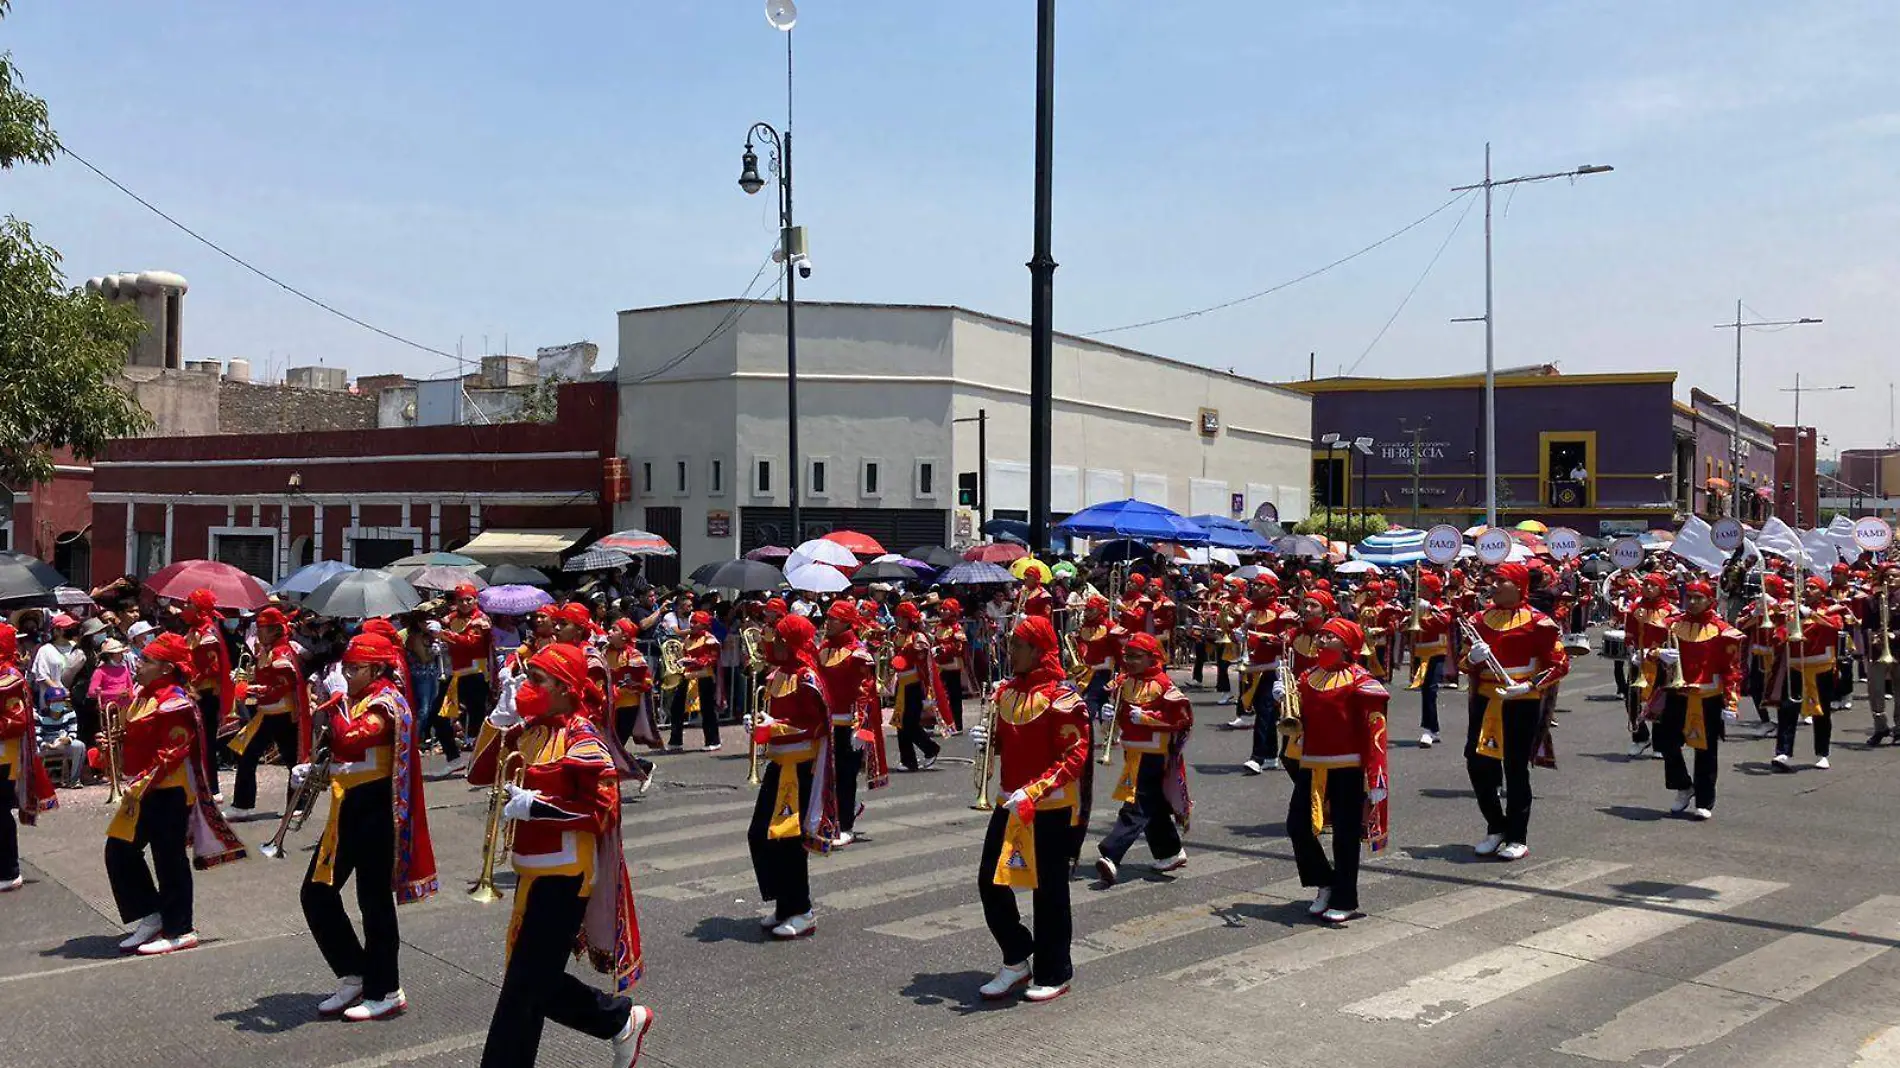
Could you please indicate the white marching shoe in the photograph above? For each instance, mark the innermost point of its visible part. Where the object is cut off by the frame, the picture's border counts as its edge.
(1251, 766)
(631, 1037)
(1335, 916)
(1106, 870)
(768, 919)
(1685, 799)
(1321, 901)
(1039, 992)
(161, 946)
(1489, 846)
(1513, 851)
(1173, 863)
(380, 1009)
(1006, 982)
(796, 927)
(349, 991)
(146, 930)
(9, 885)
(1427, 740)
(1821, 764)
(1703, 814)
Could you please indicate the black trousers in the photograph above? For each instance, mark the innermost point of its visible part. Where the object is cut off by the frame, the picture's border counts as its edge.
(9, 830)
(1267, 744)
(848, 761)
(911, 735)
(537, 986)
(163, 823)
(280, 730)
(365, 851)
(1522, 721)
(953, 689)
(708, 710)
(211, 711)
(1669, 742)
(1055, 926)
(472, 696)
(1203, 652)
(1633, 702)
(1788, 717)
(1346, 793)
(781, 865)
(1148, 815)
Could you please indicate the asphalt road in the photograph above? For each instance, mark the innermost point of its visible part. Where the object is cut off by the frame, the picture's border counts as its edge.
(1627, 937)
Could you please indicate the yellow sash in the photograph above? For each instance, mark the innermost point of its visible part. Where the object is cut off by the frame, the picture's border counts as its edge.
(325, 872)
(1016, 864)
(249, 734)
(1317, 799)
(788, 821)
(1423, 666)
(1695, 723)
(1491, 728)
(1252, 688)
(125, 821)
(1811, 688)
(1125, 786)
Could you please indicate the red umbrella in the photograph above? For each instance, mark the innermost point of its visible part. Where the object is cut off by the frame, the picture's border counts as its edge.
(233, 588)
(1001, 552)
(769, 553)
(860, 544)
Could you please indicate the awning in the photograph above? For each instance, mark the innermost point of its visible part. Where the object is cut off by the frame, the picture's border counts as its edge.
(529, 548)
(1719, 485)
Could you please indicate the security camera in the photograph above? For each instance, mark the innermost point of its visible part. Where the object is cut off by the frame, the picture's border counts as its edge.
(803, 263)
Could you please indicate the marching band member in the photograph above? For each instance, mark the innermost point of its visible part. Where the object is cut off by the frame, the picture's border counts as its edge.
(952, 647)
(797, 806)
(633, 687)
(1707, 651)
(1135, 613)
(167, 805)
(1042, 740)
(1032, 599)
(698, 694)
(1166, 616)
(1645, 627)
(211, 677)
(1266, 625)
(24, 784)
(1429, 647)
(377, 832)
(1099, 641)
(857, 723)
(469, 636)
(1342, 769)
(1155, 719)
(1507, 726)
(282, 711)
(1879, 612)
(573, 895)
(1843, 589)
(1763, 620)
(918, 688)
(1376, 616)
(574, 625)
(1812, 661)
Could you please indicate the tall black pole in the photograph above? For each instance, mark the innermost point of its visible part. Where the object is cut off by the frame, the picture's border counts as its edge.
(1042, 274)
(791, 306)
(982, 467)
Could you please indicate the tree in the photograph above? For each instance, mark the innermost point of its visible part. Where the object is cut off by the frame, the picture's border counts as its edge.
(61, 348)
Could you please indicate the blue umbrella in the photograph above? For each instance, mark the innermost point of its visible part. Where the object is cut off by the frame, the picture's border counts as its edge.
(1018, 531)
(1393, 548)
(1133, 519)
(1231, 533)
(975, 573)
(305, 580)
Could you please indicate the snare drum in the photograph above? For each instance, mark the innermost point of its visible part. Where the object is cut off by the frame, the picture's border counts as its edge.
(1614, 645)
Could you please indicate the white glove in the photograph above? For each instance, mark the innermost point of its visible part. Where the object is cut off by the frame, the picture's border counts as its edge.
(761, 720)
(1016, 798)
(300, 775)
(1728, 714)
(1479, 652)
(1106, 713)
(1516, 689)
(1279, 690)
(979, 736)
(1375, 796)
(519, 804)
(434, 627)
(503, 719)
(1670, 657)
(857, 742)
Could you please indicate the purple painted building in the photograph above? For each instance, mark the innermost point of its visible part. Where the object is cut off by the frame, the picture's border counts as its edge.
(1593, 452)
(1706, 469)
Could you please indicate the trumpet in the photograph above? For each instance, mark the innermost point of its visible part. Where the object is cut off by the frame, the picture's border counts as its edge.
(672, 666)
(1111, 710)
(304, 798)
(1472, 637)
(1072, 655)
(981, 765)
(1675, 680)
(1886, 623)
(112, 741)
(757, 697)
(1417, 625)
(1292, 722)
(498, 836)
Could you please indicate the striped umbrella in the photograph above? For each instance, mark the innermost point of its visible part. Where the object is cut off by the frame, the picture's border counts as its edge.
(1394, 548)
(598, 559)
(636, 543)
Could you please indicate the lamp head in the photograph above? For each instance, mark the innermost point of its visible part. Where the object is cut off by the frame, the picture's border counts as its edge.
(749, 179)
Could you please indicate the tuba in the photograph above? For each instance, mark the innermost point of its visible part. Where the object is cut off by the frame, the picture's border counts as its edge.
(498, 835)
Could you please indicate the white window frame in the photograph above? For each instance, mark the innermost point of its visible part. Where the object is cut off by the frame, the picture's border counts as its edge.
(917, 477)
(810, 489)
(771, 472)
(350, 534)
(865, 464)
(276, 544)
(716, 484)
(682, 476)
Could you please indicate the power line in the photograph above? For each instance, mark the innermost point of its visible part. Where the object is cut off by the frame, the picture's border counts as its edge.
(731, 319)
(1442, 246)
(258, 271)
(1407, 228)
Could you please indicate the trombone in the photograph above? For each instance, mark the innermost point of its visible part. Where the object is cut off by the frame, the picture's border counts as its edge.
(1111, 709)
(498, 836)
(1886, 622)
(112, 733)
(981, 765)
(298, 804)
(756, 696)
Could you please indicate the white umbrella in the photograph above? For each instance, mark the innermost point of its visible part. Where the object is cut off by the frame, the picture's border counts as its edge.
(1224, 556)
(817, 578)
(820, 551)
(1357, 567)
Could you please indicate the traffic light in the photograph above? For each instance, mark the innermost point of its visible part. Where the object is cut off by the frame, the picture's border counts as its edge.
(966, 489)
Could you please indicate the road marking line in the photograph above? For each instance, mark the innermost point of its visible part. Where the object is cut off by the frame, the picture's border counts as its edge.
(656, 809)
(1664, 1027)
(1242, 971)
(1154, 928)
(1880, 1051)
(896, 889)
(965, 918)
(857, 856)
(741, 850)
(1499, 973)
(416, 1053)
(738, 827)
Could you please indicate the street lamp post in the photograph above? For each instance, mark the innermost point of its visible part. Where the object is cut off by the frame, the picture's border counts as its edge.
(1795, 463)
(1363, 446)
(791, 248)
(1490, 360)
(1331, 441)
(1042, 285)
(1735, 442)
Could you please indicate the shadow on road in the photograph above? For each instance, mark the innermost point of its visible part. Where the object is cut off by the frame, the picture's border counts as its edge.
(1442, 792)
(1451, 853)
(272, 1014)
(87, 947)
(727, 929)
(1647, 888)
(1634, 814)
(956, 991)
(1257, 830)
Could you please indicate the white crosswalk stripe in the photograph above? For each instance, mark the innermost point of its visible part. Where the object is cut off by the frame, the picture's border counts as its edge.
(1660, 1029)
(727, 830)
(1157, 927)
(857, 856)
(1449, 992)
(734, 846)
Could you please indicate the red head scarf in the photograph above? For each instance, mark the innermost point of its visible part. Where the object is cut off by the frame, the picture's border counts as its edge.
(373, 647)
(1655, 582)
(950, 609)
(203, 600)
(1516, 575)
(794, 646)
(1346, 631)
(1776, 585)
(1430, 583)
(906, 612)
(776, 608)
(1699, 586)
(1322, 584)
(9, 643)
(466, 589)
(567, 665)
(1096, 604)
(1137, 582)
(1032, 577)
(173, 650)
(1144, 642)
(1040, 633)
(1323, 599)
(1817, 584)
(272, 617)
(701, 621)
(626, 628)
(1269, 580)
(574, 612)
(844, 612)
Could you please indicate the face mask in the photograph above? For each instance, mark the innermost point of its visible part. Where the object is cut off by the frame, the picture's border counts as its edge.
(1331, 659)
(532, 701)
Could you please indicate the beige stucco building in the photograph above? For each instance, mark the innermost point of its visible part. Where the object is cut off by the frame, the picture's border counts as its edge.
(888, 400)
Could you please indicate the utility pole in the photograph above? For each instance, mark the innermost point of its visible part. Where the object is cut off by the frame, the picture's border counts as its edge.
(1735, 441)
(1795, 474)
(982, 421)
(1042, 276)
(1418, 437)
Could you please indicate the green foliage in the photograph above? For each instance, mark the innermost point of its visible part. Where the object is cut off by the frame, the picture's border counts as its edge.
(1353, 528)
(542, 403)
(61, 349)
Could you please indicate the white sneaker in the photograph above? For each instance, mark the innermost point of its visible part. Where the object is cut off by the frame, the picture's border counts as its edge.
(1239, 723)
(10, 885)
(160, 946)
(1335, 916)
(843, 839)
(1173, 863)
(146, 930)
(1489, 846)
(713, 748)
(1038, 992)
(1703, 814)
(768, 920)
(1821, 764)
(1781, 762)
(1271, 764)
(797, 927)
(1807, 721)
(1427, 740)
(1321, 901)
(1513, 851)
(1685, 799)
(631, 1037)
(1251, 767)
(1107, 870)
(349, 990)
(1227, 700)
(1006, 981)
(380, 1009)
(1636, 749)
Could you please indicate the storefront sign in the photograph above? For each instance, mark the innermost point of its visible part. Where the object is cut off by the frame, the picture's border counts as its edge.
(1237, 505)
(718, 523)
(1402, 450)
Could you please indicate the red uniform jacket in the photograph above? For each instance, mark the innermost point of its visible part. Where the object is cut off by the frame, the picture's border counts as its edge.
(468, 640)
(1101, 646)
(796, 702)
(850, 680)
(1711, 657)
(952, 646)
(1527, 642)
(19, 749)
(1150, 712)
(633, 677)
(1267, 626)
(700, 656)
(1042, 735)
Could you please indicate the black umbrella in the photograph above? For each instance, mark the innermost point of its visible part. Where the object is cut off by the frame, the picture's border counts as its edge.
(598, 559)
(705, 571)
(365, 594)
(27, 581)
(936, 556)
(513, 575)
(746, 576)
(888, 571)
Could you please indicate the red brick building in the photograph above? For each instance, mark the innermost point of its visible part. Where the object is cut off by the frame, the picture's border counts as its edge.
(270, 503)
(50, 520)
(1797, 491)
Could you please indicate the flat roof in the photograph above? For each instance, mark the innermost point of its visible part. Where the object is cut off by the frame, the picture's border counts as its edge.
(1505, 380)
(958, 309)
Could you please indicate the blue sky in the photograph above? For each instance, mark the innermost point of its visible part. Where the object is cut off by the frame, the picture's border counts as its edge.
(467, 170)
